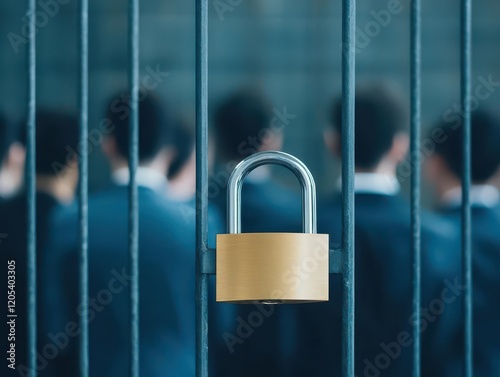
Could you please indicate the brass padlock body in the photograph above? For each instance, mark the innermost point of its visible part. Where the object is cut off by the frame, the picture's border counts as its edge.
(272, 267)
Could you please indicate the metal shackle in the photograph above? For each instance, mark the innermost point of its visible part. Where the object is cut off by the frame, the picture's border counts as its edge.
(286, 160)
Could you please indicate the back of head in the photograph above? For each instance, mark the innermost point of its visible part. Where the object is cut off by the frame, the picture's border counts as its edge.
(379, 117)
(154, 126)
(56, 141)
(485, 146)
(183, 144)
(8, 135)
(241, 116)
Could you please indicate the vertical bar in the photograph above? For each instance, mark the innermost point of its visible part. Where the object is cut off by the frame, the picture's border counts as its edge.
(465, 52)
(201, 186)
(31, 189)
(83, 187)
(415, 58)
(348, 101)
(133, 191)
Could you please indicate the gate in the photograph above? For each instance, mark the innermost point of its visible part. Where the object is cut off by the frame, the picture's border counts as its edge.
(205, 263)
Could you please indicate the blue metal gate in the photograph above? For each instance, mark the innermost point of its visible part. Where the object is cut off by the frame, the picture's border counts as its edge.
(205, 264)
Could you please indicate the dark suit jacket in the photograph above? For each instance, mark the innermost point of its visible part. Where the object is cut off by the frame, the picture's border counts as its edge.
(167, 281)
(215, 221)
(264, 349)
(486, 287)
(383, 324)
(13, 246)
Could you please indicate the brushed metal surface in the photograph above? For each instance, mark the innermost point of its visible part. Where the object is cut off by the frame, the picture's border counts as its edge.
(272, 267)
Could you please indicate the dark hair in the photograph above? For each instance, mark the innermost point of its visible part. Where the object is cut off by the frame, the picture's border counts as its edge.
(56, 139)
(485, 146)
(183, 144)
(5, 137)
(379, 117)
(153, 125)
(9, 133)
(240, 116)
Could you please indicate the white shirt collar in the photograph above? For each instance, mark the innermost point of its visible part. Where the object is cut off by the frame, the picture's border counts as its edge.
(146, 177)
(375, 183)
(480, 195)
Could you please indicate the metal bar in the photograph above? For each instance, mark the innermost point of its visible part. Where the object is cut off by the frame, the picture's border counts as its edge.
(31, 189)
(208, 263)
(415, 58)
(297, 167)
(348, 94)
(83, 187)
(133, 191)
(465, 57)
(201, 186)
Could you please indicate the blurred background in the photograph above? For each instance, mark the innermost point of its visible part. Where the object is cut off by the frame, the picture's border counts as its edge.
(289, 49)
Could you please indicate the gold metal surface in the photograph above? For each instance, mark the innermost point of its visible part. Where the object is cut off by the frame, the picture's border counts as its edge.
(272, 267)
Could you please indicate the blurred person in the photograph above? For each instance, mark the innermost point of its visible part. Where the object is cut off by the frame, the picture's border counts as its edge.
(444, 170)
(182, 172)
(12, 155)
(244, 123)
(383, 261)
(181, 176)
(166, 261)
(56, 179)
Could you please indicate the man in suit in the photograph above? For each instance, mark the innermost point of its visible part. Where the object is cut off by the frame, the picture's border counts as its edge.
(182, 178)
(246, 123)
(166, 261)
(384, 320)
(12, 154)
(444, 169)
(56, 178)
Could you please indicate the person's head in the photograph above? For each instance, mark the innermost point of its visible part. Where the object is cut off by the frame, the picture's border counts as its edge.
(154, 132)
(56, 163)
(6, 137)
(182, 172)
(183, 147)
(444, 167)
(12, 156)
(381, 131)
(243, 126)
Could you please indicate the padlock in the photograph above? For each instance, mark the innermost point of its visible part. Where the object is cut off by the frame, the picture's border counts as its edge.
(272, 268)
